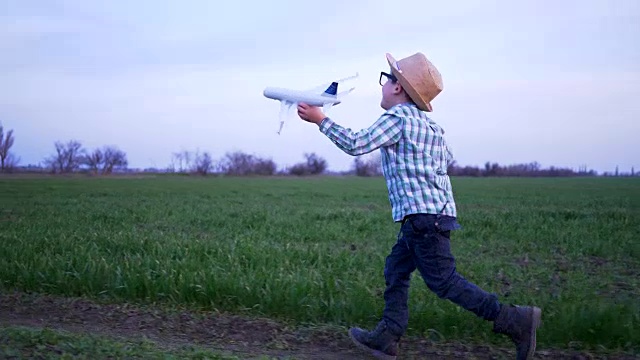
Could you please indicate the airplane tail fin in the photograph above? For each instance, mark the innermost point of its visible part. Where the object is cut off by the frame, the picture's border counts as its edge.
(332, 90)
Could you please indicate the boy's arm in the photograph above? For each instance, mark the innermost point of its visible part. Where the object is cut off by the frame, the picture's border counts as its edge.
(385, 131)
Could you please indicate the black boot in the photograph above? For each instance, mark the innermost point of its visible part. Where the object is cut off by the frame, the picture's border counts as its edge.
(519, 323)
(380, 342)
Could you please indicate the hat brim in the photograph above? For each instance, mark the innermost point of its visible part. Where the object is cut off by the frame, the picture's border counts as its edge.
(413, 94)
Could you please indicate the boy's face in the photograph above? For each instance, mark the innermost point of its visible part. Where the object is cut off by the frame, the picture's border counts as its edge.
(390, 90)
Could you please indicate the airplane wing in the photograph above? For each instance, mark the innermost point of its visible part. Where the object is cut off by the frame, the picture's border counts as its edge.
(345, 93)
(348, 78)
(326, 107)
(325, 86)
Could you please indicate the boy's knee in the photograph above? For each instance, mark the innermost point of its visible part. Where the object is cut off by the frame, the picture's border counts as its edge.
(442, 285)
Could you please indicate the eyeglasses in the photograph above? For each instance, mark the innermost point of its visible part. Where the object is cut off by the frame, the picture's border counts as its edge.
(389, 76)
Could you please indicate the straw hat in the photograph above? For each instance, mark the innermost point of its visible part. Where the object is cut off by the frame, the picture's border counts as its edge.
(418, 77)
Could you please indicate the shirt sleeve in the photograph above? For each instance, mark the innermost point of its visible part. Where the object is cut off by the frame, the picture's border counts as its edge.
(386, 131)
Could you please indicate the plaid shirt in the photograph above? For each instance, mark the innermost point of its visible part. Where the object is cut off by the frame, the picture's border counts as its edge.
(415, 158)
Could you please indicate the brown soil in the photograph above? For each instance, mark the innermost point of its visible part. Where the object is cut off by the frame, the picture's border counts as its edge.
(231, 334)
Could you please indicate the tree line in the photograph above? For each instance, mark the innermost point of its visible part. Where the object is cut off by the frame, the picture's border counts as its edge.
(72, 157)
(238, 163)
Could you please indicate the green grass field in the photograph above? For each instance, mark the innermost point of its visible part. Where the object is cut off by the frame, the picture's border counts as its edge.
(312, 250)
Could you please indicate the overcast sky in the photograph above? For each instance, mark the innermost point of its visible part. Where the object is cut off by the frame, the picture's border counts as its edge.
(556, 82)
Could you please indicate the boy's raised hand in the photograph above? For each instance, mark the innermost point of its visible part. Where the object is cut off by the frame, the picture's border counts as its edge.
(312, 114)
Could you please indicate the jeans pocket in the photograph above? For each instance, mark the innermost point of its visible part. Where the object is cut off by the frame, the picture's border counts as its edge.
(422, 224)
(446, 223)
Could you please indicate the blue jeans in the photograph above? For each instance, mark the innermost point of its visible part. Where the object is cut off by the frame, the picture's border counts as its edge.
(423, 243)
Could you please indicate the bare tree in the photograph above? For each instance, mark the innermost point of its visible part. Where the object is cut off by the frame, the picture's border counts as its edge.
(186, 156)
(184, 159)
(299, 169)
(94, 160)
(114, 158)
(368, 165)
(239, 163)
(203, 164)
(313, 165)
(264, 167)
(68, 157)
(177, 157)
(7, 161)
(10, 163)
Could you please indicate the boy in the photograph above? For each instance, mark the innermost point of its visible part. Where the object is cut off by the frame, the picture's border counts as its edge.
(415, 158)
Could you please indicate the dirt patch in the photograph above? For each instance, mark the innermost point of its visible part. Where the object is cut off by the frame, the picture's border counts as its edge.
(241, 336)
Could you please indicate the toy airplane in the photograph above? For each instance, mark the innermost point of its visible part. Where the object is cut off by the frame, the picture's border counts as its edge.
(315, 97)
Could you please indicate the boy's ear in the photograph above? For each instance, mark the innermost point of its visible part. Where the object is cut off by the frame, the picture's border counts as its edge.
(397, 89)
